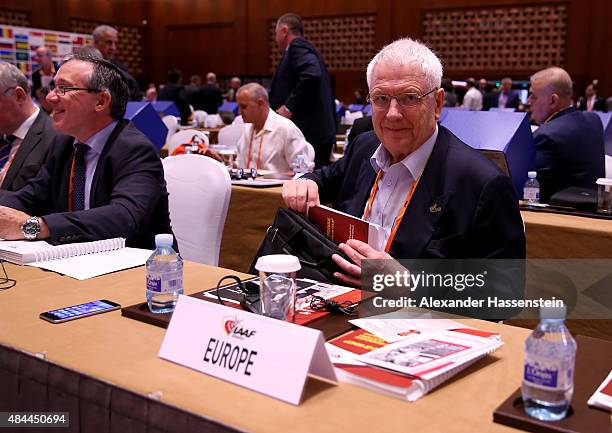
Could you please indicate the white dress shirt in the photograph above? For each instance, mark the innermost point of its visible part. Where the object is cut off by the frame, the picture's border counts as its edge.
(20, 133)
(472, 100)
(396, 182)
(277, 144)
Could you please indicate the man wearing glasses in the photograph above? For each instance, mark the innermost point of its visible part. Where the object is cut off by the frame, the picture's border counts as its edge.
(104, 181)
(434, 195)
(26, 133)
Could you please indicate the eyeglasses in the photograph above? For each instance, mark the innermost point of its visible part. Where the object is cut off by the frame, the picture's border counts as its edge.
(61, 90)
(380, 100)
(7, 89)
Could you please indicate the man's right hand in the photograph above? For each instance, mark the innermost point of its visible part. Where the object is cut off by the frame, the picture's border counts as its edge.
(299, 194)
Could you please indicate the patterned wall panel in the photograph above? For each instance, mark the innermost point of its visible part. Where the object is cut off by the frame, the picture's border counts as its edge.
(346, 42)
(501, 38)
(14, 18)
(129, 47)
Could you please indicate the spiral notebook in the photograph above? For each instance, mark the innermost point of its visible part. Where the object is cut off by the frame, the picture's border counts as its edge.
(80, 260)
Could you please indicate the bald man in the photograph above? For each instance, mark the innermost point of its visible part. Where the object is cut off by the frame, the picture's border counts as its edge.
(569, 143)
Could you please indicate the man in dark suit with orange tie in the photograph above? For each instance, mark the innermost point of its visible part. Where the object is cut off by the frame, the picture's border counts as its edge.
(104, 181)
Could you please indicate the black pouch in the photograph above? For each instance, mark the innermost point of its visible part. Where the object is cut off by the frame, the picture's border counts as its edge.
(294, 234)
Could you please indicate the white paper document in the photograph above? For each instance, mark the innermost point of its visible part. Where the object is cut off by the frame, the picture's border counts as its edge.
(93, 265)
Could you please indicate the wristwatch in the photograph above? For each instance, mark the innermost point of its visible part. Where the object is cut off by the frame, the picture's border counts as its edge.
(31, 228)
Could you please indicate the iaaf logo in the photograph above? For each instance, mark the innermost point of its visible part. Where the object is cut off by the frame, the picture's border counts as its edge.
(232, 327)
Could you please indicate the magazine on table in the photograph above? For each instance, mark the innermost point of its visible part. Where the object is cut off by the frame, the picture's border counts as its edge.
(413, 366)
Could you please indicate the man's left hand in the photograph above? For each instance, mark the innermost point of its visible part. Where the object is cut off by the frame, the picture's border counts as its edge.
(284, 111)
(356, 251)
(11, 221)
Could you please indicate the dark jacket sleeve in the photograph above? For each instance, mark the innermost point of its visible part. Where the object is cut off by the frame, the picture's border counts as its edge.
(306, 68)
(546, 161)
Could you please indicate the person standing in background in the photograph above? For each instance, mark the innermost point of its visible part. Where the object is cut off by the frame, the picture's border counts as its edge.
(301, 88)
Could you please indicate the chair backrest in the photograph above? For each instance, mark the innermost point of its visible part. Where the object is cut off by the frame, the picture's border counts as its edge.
(183, 137)
(213, 120)
(608, 166)
(229, 135)
(349, 117)
(198, 117)
(172, 124)
(200, 190)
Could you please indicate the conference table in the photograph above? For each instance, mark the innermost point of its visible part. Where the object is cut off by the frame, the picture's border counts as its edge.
(549, 235)
(105, 371)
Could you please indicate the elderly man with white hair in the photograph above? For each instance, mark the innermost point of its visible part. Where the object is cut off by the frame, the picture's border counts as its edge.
(434, 196)
(270, 141)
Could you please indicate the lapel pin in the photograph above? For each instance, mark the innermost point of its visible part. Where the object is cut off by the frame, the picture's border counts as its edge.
(434, 208)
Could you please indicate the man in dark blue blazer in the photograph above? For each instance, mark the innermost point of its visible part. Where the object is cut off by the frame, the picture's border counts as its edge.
(434, 196)
(301, 89)
(107, 183)
(569, 143)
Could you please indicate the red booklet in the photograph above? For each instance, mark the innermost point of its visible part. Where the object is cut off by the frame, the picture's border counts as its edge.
(602, 398)
(340, 227)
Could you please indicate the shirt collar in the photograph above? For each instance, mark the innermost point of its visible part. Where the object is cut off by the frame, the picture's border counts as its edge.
(23, 129)
(415, 162)
(270, 124)
(97, 141)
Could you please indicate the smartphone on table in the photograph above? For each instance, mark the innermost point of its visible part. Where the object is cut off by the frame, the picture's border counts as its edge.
(81, 310)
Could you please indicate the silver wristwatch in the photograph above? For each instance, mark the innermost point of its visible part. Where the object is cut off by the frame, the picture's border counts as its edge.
(31, 228)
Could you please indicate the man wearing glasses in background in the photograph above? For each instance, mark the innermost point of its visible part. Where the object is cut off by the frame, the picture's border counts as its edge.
(435, 196)
(26, 133)
(104, 181)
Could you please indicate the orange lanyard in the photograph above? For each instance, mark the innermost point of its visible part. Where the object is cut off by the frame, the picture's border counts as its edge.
(258, 162)
(401, 213)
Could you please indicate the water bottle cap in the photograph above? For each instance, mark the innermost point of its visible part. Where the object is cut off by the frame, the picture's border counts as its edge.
(278, 263)
(532, 174)
(555, 313)
(164, 240)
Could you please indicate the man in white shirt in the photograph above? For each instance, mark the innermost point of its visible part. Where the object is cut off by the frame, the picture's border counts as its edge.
(26, 132)
(473, 98)
(270, 141)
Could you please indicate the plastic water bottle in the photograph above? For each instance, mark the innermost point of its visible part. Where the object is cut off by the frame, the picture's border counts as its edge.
(299, 164)
(531, 189)
(548, 376)
(164, 275)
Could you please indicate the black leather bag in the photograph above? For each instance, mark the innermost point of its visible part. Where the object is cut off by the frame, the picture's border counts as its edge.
(294, 234)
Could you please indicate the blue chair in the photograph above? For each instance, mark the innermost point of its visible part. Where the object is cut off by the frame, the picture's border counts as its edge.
(504, 137)
(606, 120)
(166, 108)
(230, 107)
(355, 107)
(146, 120)
(367, 110)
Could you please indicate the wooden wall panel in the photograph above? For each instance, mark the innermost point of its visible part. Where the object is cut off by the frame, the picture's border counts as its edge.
(588, 53)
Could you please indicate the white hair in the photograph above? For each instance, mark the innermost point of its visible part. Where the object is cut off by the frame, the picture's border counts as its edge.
(255, 91)
(406, 51)
(11, 76)
(101, 31)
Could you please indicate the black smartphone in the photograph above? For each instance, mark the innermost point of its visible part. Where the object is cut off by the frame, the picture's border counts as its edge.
(81, 310)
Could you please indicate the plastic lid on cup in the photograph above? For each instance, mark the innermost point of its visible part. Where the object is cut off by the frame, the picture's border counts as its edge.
(278, 263)
(164, 240)
(604, 181)
(532, 174)
(553, 313)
